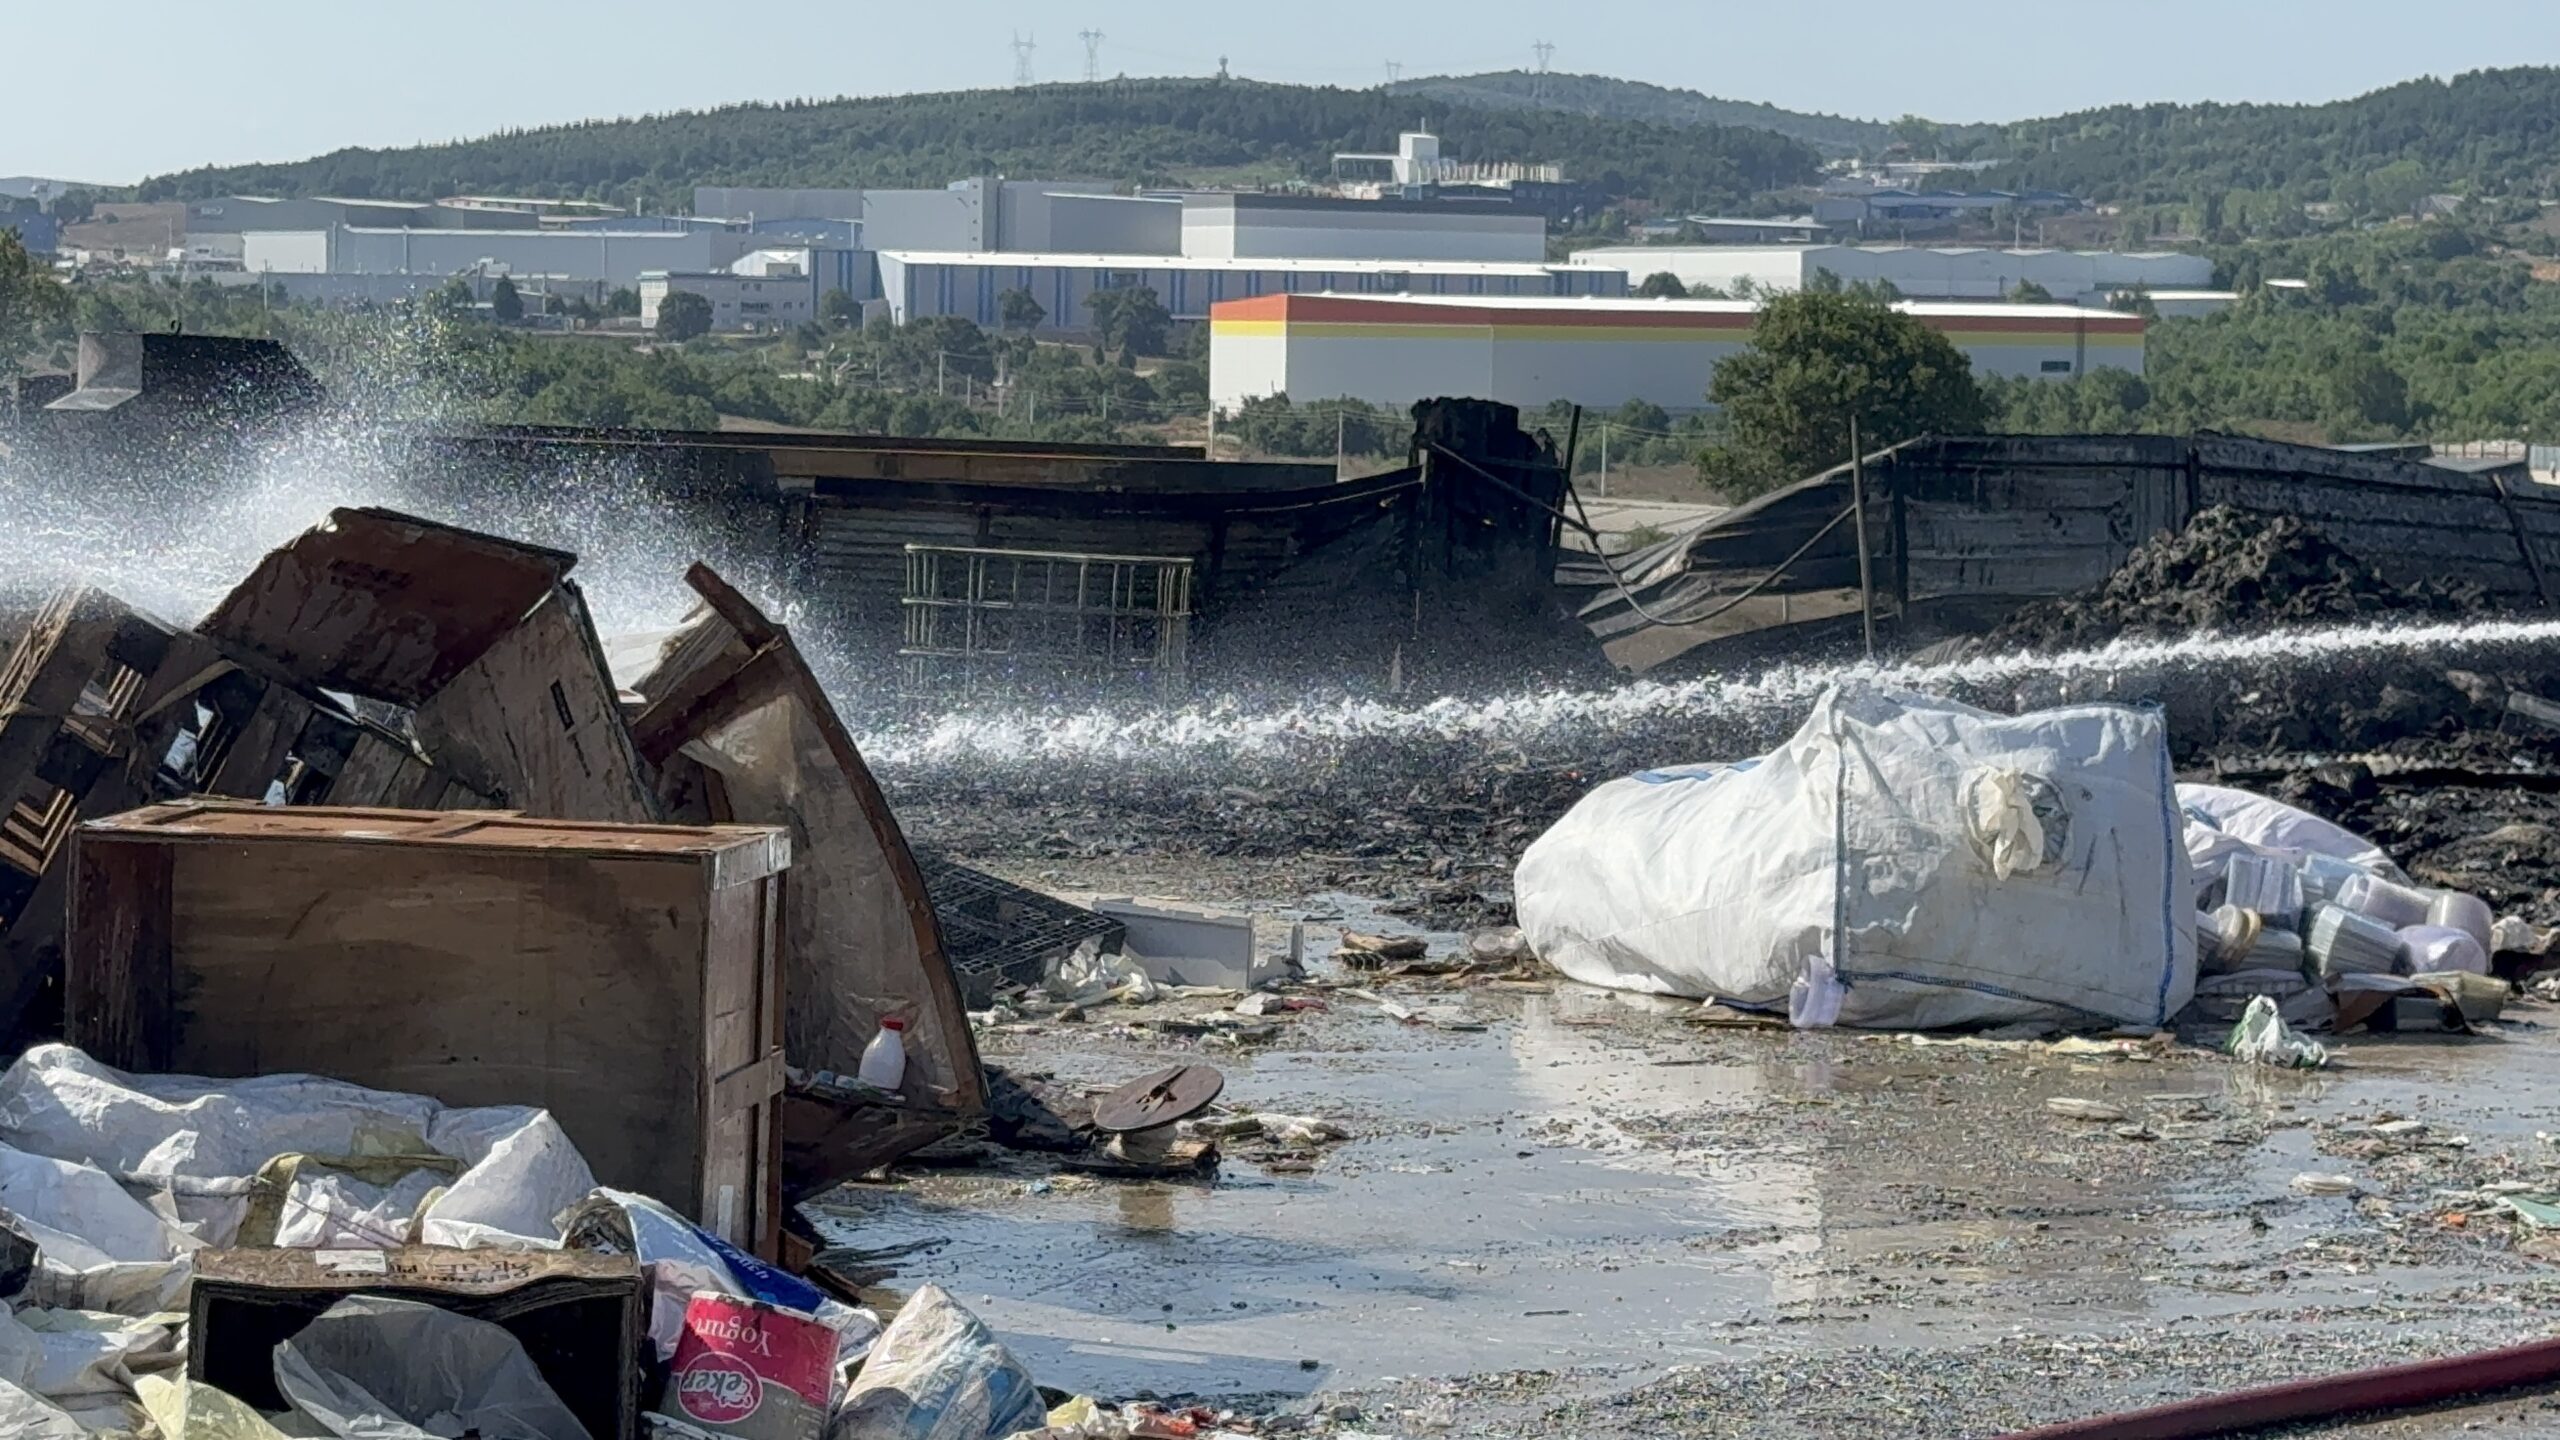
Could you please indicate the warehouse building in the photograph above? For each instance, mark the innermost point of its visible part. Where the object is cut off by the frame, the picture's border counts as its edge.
(613, 256)
(776, 300)
(1227, 226)
(1917, 272)
(1528, 351)
(919, 284)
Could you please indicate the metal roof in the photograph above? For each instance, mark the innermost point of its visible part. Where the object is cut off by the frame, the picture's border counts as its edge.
(1951, 309)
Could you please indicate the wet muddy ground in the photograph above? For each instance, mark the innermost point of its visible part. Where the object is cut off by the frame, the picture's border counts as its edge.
(1596, 1216)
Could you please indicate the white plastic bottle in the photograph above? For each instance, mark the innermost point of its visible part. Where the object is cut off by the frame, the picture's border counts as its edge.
(884, 1060)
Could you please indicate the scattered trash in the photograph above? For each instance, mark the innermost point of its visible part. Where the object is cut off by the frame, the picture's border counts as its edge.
(751, 1370)
(2263, 1038)
(1088, 976)
(938, 1374)
(1501, 948)
(1180, 945)
(2540, 1212)
(2310, 1184)
(375, 1368)
(2072, 1108)
(1369, 952)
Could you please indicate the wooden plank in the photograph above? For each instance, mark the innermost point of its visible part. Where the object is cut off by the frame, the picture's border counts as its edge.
(117, 999)
(255, 758)
(372, 767)
(1951, 530)
(384, 604)
(2319, 501)
(718, 855)
(2059, 571)
(536, 721)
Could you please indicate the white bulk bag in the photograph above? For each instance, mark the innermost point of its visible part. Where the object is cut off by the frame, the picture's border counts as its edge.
(1952, 867)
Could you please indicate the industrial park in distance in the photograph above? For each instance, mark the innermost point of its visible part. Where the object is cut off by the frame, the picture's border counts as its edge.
(1191, 757)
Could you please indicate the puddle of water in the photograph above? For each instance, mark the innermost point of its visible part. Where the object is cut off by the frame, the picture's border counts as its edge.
(1549, 1192)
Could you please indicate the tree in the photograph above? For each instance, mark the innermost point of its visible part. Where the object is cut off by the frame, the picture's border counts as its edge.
(1018, 312)
(1815, 362)
(453, 297)
(2028, 292)
(505, 305)
(1132, 321)
(34, 305)
(2366, 390)
(1663, 285)
(840, 309)
(623, 301)
(683, 315)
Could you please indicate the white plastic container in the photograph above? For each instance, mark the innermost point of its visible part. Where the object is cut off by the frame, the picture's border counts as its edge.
(2375, 898)
(884, 1060)
(2454, 910)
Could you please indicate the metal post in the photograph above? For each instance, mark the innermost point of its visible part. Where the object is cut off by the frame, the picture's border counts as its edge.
(1858, 504)
(939, 389)
(1604, 459)
(1339, 418)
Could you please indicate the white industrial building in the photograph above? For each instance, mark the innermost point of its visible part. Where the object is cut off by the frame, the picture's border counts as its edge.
(1918, 272)
(777, 299)
(615, 257)
(918, 284)
(1228, 226)
(1529, 351)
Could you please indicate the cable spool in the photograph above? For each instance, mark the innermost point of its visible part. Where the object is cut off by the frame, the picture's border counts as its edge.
(2263, 884)
(2343, 942)
(2378, 899)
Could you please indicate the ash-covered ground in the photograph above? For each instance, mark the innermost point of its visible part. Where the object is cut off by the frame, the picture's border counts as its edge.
(1562, 1212)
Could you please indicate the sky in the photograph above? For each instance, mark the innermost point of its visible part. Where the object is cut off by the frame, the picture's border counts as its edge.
(113, 94)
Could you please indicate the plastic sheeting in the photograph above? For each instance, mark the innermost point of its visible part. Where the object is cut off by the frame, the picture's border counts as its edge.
(680, 1258)
(371, 1368)
(2221, 822)
(372, 1159)
(1950, 866)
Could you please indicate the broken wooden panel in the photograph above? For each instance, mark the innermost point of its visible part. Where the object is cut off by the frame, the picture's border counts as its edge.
(384, 604)
(535, 721)
(154, 713)
(731, 703)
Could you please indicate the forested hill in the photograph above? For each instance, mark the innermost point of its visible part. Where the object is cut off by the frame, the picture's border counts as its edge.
(2491, 132)
(1148, 131)
(1617, 99)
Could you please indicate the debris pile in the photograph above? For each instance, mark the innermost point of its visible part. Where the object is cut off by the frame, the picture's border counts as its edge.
(2229, 571)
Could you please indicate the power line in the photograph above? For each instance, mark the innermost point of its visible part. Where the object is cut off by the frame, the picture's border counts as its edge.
(1023, 45)
(1538, 88)
(1092, 55)
(1395, 71)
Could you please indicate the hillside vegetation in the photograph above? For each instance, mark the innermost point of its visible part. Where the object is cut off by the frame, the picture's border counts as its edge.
(1616, 99)
(2491, 132)
(1147, 132)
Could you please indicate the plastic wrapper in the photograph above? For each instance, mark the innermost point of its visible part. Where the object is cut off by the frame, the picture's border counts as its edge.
(2266, 886)
(2263, 1038)
(2432, 949)
(938, 1373)
(372, 1368)
(2343, 942)
(2469, 914)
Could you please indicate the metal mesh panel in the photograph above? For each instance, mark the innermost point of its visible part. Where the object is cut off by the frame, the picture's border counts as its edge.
(982, 619)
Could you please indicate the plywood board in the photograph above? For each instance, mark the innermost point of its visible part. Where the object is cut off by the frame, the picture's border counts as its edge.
(384, 604)
(536, 722)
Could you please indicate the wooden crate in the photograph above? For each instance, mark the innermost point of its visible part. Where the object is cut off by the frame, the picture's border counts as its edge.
(622, 977)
